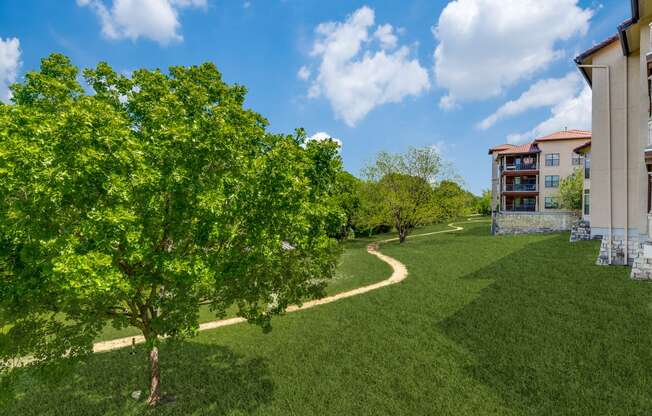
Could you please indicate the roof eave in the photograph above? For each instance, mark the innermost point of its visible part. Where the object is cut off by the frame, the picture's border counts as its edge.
(622, 35)
(520, 153)
(585, 74)
(635, 10)
(578, 149)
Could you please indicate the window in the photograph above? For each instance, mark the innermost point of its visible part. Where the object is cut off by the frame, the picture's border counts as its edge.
(587, 201)
(552, 181)
(552, 159)
(551, 202)
(577, 160)
(587, 167)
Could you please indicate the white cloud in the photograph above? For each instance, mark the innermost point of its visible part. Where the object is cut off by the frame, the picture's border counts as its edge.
(153, 19)
(322, 135)
(572, 113)
(448, 103)
(385, 34)
(354, 76)
(442, 147)
(543, 93)
(9, 64)
(488, 45)
(190, 3)
(304, 73)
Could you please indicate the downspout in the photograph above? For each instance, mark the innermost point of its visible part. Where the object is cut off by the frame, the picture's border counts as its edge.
(610, 244)
(626, 166)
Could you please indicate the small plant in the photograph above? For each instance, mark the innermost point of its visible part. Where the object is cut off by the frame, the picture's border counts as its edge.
(570, 190)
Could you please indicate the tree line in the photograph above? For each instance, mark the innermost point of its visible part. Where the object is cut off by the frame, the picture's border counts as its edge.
(401, 192)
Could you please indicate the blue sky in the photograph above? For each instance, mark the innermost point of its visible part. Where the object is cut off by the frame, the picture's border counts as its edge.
(372, 86)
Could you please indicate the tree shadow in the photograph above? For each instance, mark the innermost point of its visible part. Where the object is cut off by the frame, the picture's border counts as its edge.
(203, 379)
(555, 334)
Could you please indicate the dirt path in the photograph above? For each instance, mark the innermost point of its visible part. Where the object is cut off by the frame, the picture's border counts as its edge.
(399, 273)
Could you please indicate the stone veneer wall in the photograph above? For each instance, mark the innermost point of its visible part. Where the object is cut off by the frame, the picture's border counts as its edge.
(580, 230)
(532, 222)
(618, 250)
(642, 266)
(640, 262)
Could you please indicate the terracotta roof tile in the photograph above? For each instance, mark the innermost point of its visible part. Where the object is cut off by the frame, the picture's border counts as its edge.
(500, 147)
(522, 149)
(566, 135)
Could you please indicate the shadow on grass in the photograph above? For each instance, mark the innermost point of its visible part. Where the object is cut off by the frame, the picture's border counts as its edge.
(554, 331)
(203, 379)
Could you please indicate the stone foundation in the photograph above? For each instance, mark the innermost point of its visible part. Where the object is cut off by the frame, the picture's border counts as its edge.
(640, 255)
(580, 231)
(618, 251)
(642, 267)
(532, 222)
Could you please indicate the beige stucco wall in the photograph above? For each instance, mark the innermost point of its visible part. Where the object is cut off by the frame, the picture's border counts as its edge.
(628, 191)
(495, 182)
(565, 149)
(587, 186)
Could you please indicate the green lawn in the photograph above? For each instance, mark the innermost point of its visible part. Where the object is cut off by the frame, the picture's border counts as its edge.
(356, 268)
(482, 325)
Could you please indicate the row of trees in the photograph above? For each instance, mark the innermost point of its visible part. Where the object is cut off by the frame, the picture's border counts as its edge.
(137, 202)
(401, 192)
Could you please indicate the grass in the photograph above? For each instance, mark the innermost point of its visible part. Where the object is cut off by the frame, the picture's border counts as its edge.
(511, 325)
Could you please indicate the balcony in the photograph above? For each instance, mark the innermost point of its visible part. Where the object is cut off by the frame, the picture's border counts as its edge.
(519, 167)
(520, 187)
(521, 208)
(514, 203)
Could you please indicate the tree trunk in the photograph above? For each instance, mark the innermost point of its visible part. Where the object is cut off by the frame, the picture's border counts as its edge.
(402, 235)
(155, 384)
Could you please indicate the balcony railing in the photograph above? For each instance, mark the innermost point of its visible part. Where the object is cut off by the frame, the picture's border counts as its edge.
(520, 208)
(519, 166)
(520, 187)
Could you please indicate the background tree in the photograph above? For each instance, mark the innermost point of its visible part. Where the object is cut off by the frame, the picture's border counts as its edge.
(154, 195)
(347, 198)
(370, 217)
(451, 201)
(484, 203)
(570, 190)
(403, 187)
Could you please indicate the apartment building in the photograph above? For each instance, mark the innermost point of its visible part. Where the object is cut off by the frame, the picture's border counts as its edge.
(526, 178)
(619, 72)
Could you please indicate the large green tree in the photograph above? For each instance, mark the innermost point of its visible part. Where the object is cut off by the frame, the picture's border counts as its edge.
(402, 188)
(150, 196)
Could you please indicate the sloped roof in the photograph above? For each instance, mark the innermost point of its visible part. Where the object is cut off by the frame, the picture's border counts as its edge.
(500, 147)
(595, 48)
(522, 149)
(621, 35)
(583, 146)
(566, 135)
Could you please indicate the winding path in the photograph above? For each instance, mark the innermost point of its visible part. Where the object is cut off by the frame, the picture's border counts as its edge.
(399, 273)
